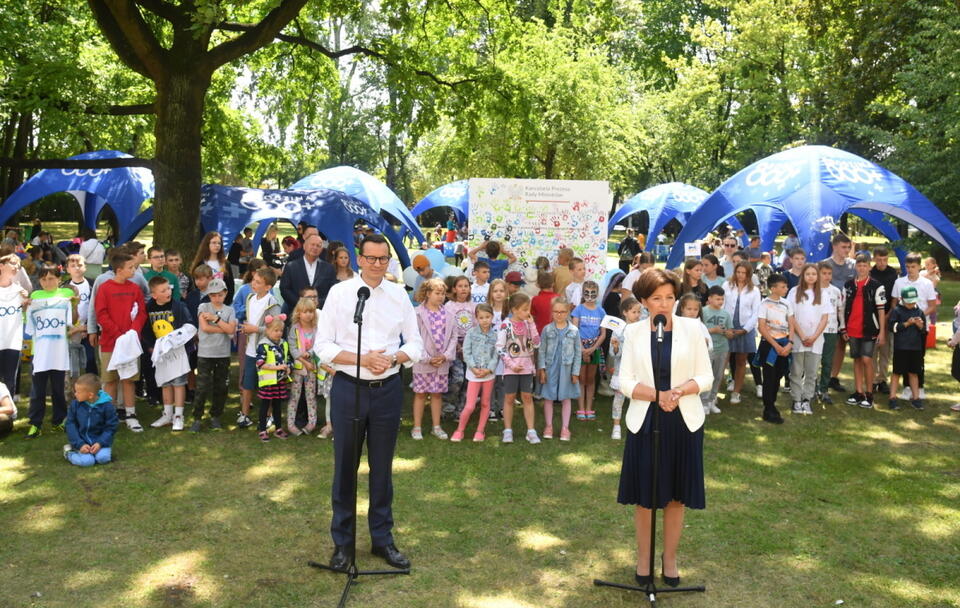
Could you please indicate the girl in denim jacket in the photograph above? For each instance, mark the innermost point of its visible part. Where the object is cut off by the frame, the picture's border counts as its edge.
(559, 366)
(481, 358)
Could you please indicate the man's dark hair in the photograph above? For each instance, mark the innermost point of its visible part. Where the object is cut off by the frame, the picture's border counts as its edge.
(840, 238)
(716, 290)
(372, 238)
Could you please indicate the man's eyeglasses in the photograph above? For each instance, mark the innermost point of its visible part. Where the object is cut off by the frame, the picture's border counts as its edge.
(373, 259)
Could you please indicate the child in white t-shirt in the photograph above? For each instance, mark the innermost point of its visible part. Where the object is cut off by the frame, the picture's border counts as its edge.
(810, 317)
(774, 318)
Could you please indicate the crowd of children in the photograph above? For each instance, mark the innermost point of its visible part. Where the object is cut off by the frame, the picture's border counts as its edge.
(488, 345)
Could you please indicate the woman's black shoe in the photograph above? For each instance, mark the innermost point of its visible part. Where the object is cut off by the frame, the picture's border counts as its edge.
(671, 581)
(643, 579)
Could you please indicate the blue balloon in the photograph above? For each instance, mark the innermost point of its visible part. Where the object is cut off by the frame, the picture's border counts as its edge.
(436, 258)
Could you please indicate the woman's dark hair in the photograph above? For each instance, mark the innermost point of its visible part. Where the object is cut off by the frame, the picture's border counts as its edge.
(653, 279)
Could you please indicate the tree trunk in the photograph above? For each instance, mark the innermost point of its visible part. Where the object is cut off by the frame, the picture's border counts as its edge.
(178, 171)
(942, 256)
(20, 146)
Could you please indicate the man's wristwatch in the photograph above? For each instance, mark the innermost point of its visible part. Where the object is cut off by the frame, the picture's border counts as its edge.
(393, 360)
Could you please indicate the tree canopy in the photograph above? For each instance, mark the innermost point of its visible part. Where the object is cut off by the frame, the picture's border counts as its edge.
(420, 93)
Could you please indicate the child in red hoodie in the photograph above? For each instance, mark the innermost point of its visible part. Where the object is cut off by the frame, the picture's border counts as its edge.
(120, 307)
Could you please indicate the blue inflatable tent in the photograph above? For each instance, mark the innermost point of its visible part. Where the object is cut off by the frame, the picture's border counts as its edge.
(813, 186)
(124, 189)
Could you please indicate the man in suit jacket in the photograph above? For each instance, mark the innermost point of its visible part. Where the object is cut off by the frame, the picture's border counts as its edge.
(308, 271)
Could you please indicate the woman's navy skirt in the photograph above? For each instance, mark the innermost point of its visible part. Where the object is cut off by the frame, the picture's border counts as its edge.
(681, 464)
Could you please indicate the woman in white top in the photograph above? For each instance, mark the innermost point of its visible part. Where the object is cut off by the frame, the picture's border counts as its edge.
(810, 315)
(684, 373)
(210, 252)
(92, 252)
(742, 300)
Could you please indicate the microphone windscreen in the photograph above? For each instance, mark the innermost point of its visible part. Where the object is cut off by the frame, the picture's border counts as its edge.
(659, 320)
(363, 293)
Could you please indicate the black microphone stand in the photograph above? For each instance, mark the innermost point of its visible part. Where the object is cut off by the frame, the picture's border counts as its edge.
(352, 571)
(651, 589)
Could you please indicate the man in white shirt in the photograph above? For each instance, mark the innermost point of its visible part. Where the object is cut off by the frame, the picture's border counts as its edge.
(387, 316)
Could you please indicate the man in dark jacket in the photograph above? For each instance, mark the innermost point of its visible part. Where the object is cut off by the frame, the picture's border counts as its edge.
(308, 271)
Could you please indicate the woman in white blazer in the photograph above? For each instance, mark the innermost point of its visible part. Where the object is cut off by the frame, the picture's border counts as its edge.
(742, 300)
(685, 373)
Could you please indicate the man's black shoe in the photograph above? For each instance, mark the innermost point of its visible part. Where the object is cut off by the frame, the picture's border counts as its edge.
(392, 555)
(836, 386)
(342, 557)
(882, 387)
(772, 416)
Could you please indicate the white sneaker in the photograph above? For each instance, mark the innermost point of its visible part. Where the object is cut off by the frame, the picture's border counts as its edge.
(706, 409)
(604, 389)
(438, 433)
(906, 394)
(923, 394)
(730, 386)
(955, 407)
(615, 434)
(807, 410)
(507, 436)
(532, 436)
(759, 392)
(177, 423)
(416, 433)
(734, 398)
(133, 424)
(269, 422)
(162, 421)
(797, 407)
(713, 407)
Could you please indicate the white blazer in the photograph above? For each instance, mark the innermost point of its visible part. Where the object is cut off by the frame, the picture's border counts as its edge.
(749, 304)
(689, 359)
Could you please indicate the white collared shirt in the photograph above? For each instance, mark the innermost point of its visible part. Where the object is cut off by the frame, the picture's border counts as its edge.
(311, 269)
(387, 316)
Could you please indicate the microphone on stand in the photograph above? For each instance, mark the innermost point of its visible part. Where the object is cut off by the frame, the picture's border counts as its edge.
(660, 321)
(362, 294)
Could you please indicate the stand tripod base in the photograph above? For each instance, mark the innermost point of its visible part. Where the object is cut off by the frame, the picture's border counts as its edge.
(650, 590)
(353, 573)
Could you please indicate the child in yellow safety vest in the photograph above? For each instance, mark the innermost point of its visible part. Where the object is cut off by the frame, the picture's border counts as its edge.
(274, 365)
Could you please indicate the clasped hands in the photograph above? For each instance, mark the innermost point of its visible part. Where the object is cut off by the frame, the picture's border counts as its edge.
(376, 361)
(670, 400)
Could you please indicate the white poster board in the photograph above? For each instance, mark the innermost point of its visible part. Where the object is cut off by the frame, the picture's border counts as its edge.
(537, 217)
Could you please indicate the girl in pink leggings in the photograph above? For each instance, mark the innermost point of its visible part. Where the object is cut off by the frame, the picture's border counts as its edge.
(480, 356)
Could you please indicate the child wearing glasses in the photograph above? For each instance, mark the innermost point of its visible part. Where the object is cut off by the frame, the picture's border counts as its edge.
(559, 367)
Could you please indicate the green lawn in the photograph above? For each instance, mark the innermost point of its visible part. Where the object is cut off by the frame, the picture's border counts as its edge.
(853, 505)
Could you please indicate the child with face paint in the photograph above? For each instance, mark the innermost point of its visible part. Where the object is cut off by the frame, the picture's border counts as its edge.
(587, 317)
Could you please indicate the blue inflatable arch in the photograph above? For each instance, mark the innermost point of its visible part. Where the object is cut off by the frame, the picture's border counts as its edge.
(124, 189)
(814, 186)
(364, 187)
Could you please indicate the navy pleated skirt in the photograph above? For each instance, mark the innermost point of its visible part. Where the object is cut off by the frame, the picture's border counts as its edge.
(681, 464)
